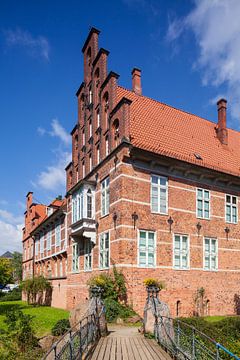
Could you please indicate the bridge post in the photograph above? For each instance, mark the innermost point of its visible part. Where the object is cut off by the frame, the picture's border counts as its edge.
(96, 294)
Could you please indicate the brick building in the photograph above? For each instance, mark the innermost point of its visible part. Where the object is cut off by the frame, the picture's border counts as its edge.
(151, 189)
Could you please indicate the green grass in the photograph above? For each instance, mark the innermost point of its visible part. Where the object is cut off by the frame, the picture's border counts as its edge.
(212, 319)
(45, 317)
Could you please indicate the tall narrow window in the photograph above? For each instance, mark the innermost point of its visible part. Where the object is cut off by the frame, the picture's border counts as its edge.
(56, 269)
(98, 119)
(87, 255)
(203, 204)
(104, 250)
(58, 234)
(90, 96)
(36, 247)
(74, 208)
(90, 162)
(75, 257)
(83, 169)
(181, 252)
(106, 107)
(49, 237)
(210, 254)
(159, 194)
(83, 137)
(105, 196)
(90, 128)
(89, 204)
(146, 249)
(98, 154)
(231, 213)
(116, 132)
(107, 145)
(41, 243)
(60, 268)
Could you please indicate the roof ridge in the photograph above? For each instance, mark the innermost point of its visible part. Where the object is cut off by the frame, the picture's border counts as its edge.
(170, 106)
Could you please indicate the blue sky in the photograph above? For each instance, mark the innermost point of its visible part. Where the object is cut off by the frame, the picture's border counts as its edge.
(188, 52)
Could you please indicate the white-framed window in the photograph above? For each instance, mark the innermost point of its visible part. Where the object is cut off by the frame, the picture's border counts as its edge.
(90, 128)
(83, 169)
(231, 213)
(105, 196)
(98, 154)
(210, 254)
(77, 206)
(75, 257)
(83, 137)
(36, 247)
(60, 268)
(90, 162)
(146, 248)
(104, 250)
(41, 243)
(58, 234)
(89, 204)
(159, 194)
(49, 237)
(203, 204)
(90, 96)
(98, 119)
(107, 145)
(87, 255)
(181, 251)
(56, 269)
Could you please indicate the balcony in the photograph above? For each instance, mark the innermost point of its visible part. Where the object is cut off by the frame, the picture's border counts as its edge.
(83, 212)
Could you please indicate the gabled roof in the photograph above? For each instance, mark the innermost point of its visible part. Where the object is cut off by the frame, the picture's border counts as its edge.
(165, 130)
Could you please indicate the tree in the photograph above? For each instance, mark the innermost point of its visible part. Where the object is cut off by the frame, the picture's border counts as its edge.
(6, 271)
(17, 266)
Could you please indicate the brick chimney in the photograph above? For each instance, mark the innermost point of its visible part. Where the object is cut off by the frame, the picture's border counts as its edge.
(136, 81)
(222, 132)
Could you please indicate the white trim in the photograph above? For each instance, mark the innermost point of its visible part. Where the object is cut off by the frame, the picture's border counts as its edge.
(210, 245)
(188, 251)
(231, 205)
(183, 210)
(203, 203)
(159, 187)
(154, 249)
(99, 251)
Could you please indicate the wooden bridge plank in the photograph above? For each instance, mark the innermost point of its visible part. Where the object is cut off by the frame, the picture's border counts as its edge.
(113, 349)
(124, 349)
(108, 348)
(119, 350)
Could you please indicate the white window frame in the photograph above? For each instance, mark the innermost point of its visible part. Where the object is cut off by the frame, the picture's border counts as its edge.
(49, 239)
(36, 247)
(159, 188)
(58, 234)
(211, 253)
(98, 154)
(90, 162)
(41, 244)
(88, 255)
(231, 207)
(181, 252)
(83, 137)
(89, 198)
(146, 250)
(83, 169)
(90, 128)
(75, 253)
(105, 251)
(98, 119)
(107, 145)
(105, 196)
(204, 200)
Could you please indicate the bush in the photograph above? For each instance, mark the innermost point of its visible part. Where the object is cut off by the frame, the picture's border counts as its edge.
(14, 295)
(34, 288)
(115, 310)
(154, 282)
(225, 331)
(61, 327)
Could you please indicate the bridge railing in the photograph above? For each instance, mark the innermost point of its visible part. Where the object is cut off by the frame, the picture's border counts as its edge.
(78, 342)
(185, 342)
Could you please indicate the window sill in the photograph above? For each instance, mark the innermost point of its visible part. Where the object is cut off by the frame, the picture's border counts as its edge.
(146, 267)
(159, 213)
(202, 218)
(181, 269)
(105, 268)
(103, 216)
(232, 223)
(86, 271)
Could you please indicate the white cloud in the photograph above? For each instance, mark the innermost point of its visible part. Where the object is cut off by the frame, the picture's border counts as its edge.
(6, 215)
(35, 46)
(216, 27)
(57, 130)
(10, 238)
(10, 232)
(60, 132)
(54, 177)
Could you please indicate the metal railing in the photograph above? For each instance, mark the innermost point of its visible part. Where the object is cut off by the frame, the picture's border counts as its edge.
(78, 343)
(185, 342)
(181, 340)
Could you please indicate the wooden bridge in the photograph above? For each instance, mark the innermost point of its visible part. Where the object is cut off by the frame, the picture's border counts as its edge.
(126, 343)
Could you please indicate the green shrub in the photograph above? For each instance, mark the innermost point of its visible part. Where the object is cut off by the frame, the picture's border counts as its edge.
(225, 331)
(34, 289)
(115, 310)
(61, 327)
(14, 295)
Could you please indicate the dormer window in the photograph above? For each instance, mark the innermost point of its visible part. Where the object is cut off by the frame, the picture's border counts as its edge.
(49, 211)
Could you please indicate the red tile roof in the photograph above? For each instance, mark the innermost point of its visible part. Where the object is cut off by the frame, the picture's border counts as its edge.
(164, 130)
